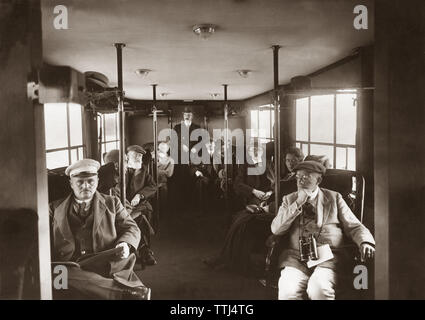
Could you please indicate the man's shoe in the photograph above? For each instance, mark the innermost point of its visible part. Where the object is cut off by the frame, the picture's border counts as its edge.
(140, 293)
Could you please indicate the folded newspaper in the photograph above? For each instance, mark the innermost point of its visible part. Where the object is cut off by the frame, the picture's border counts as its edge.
(92, 258)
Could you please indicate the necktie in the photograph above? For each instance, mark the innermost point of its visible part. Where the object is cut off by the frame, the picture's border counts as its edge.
(308, 210)
(82, 210)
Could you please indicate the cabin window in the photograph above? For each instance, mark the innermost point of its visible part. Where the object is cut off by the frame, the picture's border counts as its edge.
(326, 125)
(64, 134)
(262, 121)
(107, 126)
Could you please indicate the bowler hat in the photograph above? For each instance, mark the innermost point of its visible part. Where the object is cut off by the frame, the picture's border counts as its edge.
(312, 166)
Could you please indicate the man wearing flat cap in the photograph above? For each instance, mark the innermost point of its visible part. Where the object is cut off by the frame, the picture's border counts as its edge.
(316, 220)
(87, 223)
(140, 188)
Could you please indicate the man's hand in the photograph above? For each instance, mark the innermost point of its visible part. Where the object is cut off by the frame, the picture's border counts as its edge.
(135, 201)
(126, 250)
(258, 194)
(264, 206)
(302, 197)
(198, 173)
(267, 195)
(367, 251)
(185, 148)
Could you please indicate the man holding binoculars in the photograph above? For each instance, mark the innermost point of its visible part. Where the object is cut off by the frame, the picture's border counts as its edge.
(316, 220)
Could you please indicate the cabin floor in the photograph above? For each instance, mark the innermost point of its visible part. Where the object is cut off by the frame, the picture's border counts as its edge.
(180, 245)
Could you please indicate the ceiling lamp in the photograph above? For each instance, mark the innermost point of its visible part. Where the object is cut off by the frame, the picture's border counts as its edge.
(204, 31)
(164, 94)
(244, 73)
(142, 72)
(214, 95)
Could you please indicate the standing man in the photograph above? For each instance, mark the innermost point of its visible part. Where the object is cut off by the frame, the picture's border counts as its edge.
(183, 182)
(86, 223)
(184, 129)
(316, 220)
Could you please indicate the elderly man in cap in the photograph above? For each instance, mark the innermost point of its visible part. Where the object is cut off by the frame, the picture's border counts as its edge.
(140, 188)
(87, 223)
(316, 220)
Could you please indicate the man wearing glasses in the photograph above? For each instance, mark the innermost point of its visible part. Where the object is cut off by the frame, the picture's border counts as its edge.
(87, 223)
(316, 220)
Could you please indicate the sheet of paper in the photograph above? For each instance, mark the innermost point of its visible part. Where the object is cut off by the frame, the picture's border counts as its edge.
(324, 252)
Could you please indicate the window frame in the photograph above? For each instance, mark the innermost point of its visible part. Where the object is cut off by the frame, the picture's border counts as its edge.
(258, 109)
(70, 148)
(334, 144)
(102, 142)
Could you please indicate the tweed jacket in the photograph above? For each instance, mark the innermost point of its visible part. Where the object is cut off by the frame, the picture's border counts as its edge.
(112, 225)
(334, 221)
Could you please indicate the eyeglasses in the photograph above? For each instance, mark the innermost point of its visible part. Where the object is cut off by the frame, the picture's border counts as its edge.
(303, 176)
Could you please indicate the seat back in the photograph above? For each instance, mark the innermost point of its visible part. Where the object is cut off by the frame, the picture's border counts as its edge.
(350, 184)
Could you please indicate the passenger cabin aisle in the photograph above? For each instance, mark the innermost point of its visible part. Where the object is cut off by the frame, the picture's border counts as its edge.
(180, 246)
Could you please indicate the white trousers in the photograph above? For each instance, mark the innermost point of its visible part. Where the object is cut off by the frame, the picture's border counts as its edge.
(320, 285)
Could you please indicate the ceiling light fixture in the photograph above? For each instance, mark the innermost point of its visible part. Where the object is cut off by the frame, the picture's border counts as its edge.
(164, 94)
(244, 73)
(204, 31)
(142, 72)
(214, 95)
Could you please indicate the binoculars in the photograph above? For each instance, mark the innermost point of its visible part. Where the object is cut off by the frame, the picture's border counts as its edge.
(308, 248)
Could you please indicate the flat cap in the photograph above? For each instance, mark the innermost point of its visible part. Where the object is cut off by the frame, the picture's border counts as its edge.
(312, 166)
(112, 156)
(324, 160)
(83, 168)
(136, 148)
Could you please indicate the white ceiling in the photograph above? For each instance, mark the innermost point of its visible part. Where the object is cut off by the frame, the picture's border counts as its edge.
(158, 36)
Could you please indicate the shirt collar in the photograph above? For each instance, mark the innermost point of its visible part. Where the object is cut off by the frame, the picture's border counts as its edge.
(81, 201)
(314, 194)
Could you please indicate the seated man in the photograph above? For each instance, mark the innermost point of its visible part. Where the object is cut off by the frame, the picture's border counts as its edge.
(255, 187)
(165, 172)
(144, 253)
(141, 187)
(251, 227)
(87, 222)
(206, 178)
(315, 215)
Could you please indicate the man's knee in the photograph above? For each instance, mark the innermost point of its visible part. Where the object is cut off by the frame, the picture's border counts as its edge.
(291, 284)
(288, 289)
(321, 286)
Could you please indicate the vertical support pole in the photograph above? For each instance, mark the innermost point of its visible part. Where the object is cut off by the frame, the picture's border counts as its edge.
(155, 146)
(119, 47)
(226, 154)
(276, 104)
